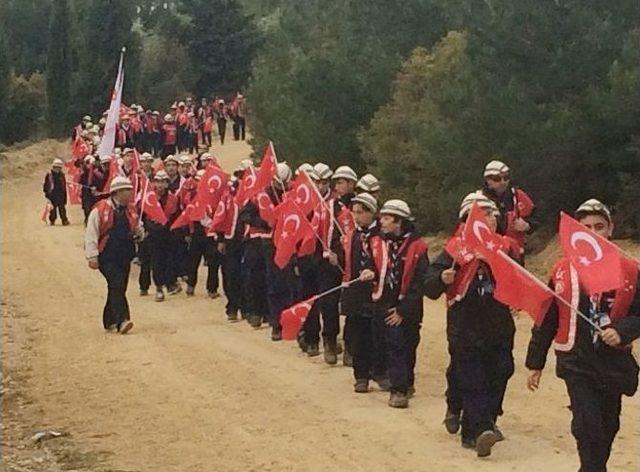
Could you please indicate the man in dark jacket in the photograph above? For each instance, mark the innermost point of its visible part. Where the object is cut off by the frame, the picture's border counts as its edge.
(55, 190)
(516, 217)
(400, 257)
(259, 268)
(87, 175)
(596, 364)
(366, 328)
(480, 334)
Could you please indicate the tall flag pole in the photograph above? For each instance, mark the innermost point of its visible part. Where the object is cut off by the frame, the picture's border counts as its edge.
(107, 144)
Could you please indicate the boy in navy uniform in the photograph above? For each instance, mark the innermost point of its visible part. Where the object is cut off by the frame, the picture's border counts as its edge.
(597, 367)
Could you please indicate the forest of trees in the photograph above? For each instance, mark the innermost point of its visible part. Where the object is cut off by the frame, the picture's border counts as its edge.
(420, 92)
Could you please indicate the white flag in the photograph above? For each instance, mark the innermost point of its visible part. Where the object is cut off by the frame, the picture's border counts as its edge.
(105, 148)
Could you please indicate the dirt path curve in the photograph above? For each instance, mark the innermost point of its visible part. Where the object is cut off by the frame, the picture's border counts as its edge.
(188, 391)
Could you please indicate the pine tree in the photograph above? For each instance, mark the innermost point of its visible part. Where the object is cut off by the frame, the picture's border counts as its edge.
(59, 69)
(222, 42)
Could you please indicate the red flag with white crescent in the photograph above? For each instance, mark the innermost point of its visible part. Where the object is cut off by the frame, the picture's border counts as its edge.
(294, 317)
(153, 209)
(597, 260)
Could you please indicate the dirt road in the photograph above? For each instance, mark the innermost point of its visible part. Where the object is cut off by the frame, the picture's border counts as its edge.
(188, 391)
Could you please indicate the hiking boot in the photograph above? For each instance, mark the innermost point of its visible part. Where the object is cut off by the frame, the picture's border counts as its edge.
(484, 442)
(398, 400)
(65, 223)
(125, 327)
(244, 316)
(213, 295)
(302, 342)
(330, 354)
(232, 316)
(159, 295)
(276, 333)
(499, 435)
(361, 386)
(383, 383)
(255, 321)
(468, 443)
(144, 292)
(174, 290)
(313, 350)
(451, 422)
(411, 392)
(347, 359)
(190, 291)
(112, 328)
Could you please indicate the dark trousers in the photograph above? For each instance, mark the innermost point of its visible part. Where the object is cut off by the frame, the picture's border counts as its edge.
(367, 347)
(206, 138)
(181, 253)
(55, 209)
(144, 256)
(327, 307)
(595, 423)
(239, 125)
(401, 343)
(162, 261)
(156, 144)
(222, 129)
(309, 279)
(86, 209)
(279, 283)
(232, 275)
(203, 247)
(481, 376)
(254, 279)
(454, 400)
(116, 308)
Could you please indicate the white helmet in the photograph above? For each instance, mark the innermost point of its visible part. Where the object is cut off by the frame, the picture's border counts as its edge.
(396, 208)
(322, 171)
(481, 199)
(283, 171)
(345, 172)
(146, 157)
(306, 167)
(594, 206)
(245, 164)
(57, 163)
(206, 156)
(367, 200)
(168, 117)
(368, 183)
(199, 174)
(495, 168)
(119, 183)
(161, 175)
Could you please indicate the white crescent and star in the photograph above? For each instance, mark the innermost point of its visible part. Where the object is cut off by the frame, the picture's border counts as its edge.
(591, 241)
(295, 218)
(303, 189)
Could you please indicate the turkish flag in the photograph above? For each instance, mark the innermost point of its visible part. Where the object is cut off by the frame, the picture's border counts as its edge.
(597, 260)
(304, 193)
(153, 209)
(477, 235)
(458, 251)
(253, 182)
(308, 243)
(517, 287)
(114, 170)
(291, 227)
(266, 208)
(79, 148)
(183, 219)
(74, 192)
(212, 185)
(294, 317)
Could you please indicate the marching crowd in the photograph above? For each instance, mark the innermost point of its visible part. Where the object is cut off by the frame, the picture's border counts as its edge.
(350, 253)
